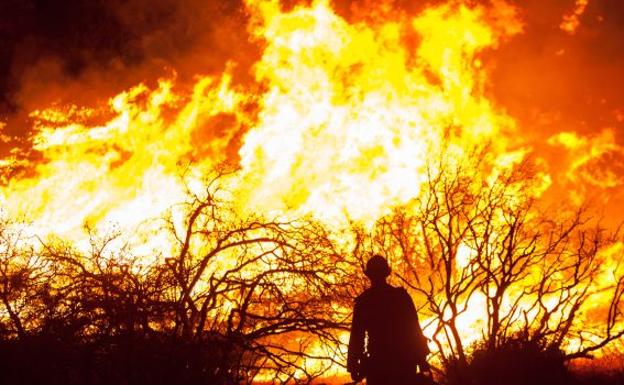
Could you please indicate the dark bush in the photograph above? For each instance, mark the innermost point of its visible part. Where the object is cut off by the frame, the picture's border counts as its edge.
(516, 361)
(599, 378)
(605, 370)
(115, 360)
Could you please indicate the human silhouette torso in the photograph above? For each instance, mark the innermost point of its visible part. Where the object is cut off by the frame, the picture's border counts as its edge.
(394, 345)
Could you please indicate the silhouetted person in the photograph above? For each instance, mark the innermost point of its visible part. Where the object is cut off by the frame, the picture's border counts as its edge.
(385, 317)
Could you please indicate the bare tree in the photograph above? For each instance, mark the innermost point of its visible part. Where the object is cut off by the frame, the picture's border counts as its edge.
(473, 234)
(24, 276)
(244, 297)
(267, 287)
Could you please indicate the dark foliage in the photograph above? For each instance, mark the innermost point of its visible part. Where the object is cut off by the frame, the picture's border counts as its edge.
(160, 359)
(599, 377)
(517, 361)
(606, 370)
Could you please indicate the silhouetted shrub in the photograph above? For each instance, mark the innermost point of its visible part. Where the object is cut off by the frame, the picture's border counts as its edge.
(606, 370)
(123, 359)
(605, 377)
(516, 361)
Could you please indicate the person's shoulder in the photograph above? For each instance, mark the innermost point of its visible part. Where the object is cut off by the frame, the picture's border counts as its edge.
(364, 296)
(401, 292)
(394, 292)
(398, 289)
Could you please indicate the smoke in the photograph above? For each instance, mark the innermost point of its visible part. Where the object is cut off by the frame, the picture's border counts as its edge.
(554, 82)
(56, 51)
(84, 51)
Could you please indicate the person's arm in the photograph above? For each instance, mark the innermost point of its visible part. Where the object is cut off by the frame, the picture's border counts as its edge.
(418, 338)
(421, 341)
(356, 344)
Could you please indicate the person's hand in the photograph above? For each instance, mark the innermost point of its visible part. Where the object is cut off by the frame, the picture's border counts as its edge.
(356, 376)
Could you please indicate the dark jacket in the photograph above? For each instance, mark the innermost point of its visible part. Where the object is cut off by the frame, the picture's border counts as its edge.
(387, 316)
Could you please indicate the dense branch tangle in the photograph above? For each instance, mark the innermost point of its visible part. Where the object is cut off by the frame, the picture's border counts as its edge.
(257, 298)
(265, 286)
(264, 298)
(477, 246)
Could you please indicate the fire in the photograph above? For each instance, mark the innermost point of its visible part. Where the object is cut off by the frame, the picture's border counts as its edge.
(351, 115)
(571, 21)
(347, 118)
(124, 172)
(587, 155)
(341, 123)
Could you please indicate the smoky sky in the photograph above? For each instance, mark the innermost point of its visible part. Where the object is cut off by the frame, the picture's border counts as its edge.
(84, 51)
(76, 51)
(546, 76)
(79, 33)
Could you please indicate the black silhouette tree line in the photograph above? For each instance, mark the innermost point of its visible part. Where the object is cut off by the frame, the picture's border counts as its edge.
(260, 296)
(240, 297)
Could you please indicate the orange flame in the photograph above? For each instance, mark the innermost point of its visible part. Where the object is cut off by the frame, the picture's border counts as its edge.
(351, 115)
(348, 117)
(572, 21)
(344, 118)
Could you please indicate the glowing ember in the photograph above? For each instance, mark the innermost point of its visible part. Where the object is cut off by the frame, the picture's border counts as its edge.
(571, 21)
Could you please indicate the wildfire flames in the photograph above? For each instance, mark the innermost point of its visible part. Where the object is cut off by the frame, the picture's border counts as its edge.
(342, 121)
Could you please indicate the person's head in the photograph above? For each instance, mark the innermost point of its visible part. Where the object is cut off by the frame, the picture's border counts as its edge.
(377, 269)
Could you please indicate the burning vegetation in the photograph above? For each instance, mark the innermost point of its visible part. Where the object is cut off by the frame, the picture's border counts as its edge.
(213, 228)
